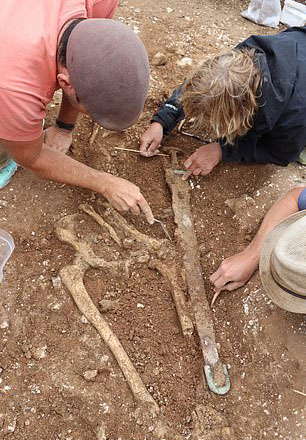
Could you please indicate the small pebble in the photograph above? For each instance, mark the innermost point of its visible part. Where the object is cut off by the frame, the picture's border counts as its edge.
(84, 320)
(108, 304)
(56, 282)
(159, 59)
(56, 306)
(12, 426)
(4, 324)
(40, 352)
(90, 375)
(186, 61)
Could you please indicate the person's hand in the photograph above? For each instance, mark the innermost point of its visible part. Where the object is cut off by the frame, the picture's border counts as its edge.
(235, 271)
(58, 139)
(203, 160)
(125, 196)
(151, 139)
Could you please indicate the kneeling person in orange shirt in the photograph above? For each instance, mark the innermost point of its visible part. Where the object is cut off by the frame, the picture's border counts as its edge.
(102, 68)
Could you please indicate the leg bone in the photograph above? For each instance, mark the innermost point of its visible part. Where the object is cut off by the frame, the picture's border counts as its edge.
(72, 277)
(171, 275)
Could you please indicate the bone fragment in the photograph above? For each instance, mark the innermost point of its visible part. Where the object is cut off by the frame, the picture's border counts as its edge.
(72, 277)
(101, 435)
(65, 232)
(90, 211)
(171, 275)
(120, 222)
(94, 133)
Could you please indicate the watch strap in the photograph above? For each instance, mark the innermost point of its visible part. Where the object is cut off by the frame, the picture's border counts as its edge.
(64, 125)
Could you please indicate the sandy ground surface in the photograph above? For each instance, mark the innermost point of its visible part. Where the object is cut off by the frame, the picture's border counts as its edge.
(58, 380)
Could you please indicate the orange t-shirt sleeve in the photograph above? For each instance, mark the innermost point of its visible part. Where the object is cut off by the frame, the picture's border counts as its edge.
(20, 115)
(102, 8)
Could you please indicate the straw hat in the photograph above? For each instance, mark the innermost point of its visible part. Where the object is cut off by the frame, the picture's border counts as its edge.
(282, 264)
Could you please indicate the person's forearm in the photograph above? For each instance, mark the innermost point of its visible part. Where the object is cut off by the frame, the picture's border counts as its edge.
(283, 208)
(53, 165)
(67, 113)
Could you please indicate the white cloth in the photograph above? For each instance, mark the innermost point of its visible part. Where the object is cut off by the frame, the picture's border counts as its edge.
(265, 12)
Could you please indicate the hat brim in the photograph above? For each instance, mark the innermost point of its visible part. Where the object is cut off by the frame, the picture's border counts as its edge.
(281, 298)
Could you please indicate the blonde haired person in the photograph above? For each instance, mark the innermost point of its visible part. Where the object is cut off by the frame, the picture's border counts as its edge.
(251, 100)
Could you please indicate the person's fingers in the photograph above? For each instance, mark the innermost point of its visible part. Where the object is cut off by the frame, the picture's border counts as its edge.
(229, 286)
(186, 175)
(197, 171)
(135, 209)
(153, 146)
(145, 208)
(205, 171)
(220, 282)
(144, 144)
(121, 207)
(215, 275)
(145, 153)
(232, 286)
(188, 162)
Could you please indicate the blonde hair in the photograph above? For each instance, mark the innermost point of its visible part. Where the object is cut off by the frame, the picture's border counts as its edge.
(221, 94)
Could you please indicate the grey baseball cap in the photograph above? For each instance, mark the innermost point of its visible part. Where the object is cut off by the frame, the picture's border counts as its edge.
(109, 69)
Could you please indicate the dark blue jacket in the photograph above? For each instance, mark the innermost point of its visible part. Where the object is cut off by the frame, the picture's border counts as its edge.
(278, 134)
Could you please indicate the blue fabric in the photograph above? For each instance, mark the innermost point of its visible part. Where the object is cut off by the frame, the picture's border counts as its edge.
(7, 172)
(302, 200)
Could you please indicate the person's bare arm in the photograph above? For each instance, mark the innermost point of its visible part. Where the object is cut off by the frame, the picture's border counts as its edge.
(50, 164)
(236, 270)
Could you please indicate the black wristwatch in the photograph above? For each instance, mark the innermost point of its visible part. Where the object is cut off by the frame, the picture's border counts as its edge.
(64, 125)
